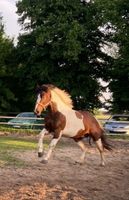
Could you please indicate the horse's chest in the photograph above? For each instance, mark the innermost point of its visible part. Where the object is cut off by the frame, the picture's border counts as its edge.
(55, 122)
(73, 125)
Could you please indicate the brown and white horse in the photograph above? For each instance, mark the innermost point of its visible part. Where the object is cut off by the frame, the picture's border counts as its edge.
(62, 120)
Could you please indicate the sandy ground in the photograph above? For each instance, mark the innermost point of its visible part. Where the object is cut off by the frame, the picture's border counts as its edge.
(63, 179)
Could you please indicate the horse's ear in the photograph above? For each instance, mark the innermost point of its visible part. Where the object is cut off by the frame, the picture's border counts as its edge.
(38, 87)
(41, 88)
(44, 87)
(49, 86)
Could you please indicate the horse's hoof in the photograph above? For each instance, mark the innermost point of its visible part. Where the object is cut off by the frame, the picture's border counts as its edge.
(44, 161)
(40, 154)
(79, 162)
(102, 164)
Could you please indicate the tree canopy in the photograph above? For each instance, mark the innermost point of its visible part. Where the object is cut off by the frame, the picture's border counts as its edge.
(63, 44)
(117, 12)
(7, 97)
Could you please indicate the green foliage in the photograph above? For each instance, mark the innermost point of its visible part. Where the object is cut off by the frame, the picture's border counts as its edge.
(120, 69)
(62, 47)
(6, 75)
(120, 84)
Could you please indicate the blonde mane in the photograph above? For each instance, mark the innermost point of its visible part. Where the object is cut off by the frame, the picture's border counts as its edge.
(64, 96)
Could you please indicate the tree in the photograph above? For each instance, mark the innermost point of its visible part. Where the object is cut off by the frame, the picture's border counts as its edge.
(117, 13)
(7, 97)
(120, 73)
(62, 46)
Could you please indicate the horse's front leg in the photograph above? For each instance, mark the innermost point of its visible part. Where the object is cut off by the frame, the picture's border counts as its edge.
(40, 142)
(51, 147)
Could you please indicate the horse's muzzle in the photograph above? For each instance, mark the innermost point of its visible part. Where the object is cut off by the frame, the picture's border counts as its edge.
(37, 114)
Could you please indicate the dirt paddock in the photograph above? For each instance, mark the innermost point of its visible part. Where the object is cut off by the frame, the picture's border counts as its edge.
(63, 179)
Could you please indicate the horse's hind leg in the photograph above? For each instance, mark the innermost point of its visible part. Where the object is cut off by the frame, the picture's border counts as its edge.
(83, 148)
(101, 149)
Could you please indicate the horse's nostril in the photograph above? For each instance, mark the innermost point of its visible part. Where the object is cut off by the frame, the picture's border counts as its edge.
(36, 112)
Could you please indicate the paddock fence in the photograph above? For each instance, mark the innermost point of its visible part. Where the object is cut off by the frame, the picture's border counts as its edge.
(12, 121)
(34, 123)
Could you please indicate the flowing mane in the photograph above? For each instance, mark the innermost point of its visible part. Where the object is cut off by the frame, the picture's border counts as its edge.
(64, 96)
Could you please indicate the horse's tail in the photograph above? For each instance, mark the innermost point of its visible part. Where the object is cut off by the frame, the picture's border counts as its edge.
(106, 145)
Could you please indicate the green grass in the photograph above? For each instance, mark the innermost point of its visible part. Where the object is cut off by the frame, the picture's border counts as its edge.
(119, 137)
(6, 159)
(19, 131)
(102, 116)
(10, 145)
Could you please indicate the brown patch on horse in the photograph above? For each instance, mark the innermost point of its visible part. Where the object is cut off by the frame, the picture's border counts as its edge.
(78, 114)
(55, 122)
(53, 107)
(80, 134)
(92, 127)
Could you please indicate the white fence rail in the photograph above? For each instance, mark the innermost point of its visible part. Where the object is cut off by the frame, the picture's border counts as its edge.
(5, 121)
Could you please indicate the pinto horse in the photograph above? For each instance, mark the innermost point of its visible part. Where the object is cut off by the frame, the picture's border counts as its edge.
(63, 120)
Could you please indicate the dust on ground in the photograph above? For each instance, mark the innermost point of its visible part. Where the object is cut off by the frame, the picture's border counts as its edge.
(63, 179)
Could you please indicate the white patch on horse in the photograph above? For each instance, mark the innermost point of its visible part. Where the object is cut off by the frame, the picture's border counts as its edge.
(37, 101)
(40, 143)
(73, 124)
(100, 148)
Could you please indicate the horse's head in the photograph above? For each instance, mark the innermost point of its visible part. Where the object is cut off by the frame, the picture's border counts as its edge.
(43, 99)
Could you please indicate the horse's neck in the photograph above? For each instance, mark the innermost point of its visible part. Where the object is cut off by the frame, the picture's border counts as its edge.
(58, 104)
(53, 108)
